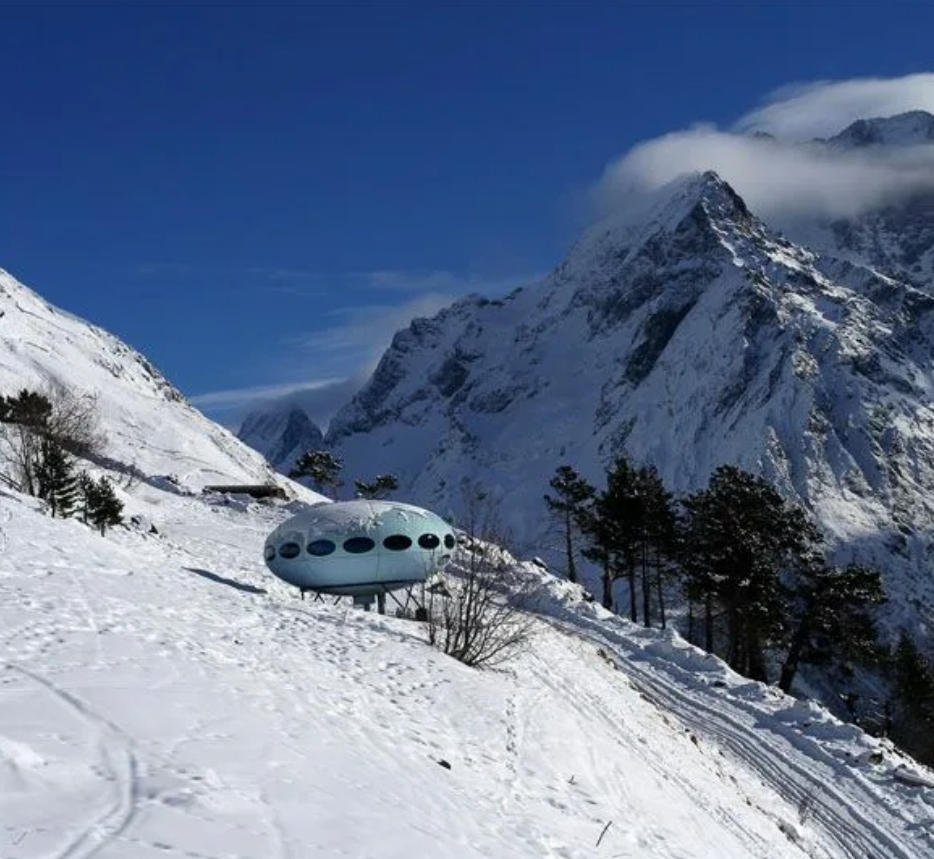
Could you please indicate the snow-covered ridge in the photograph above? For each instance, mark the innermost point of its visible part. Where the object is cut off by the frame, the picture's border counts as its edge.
(148, 424)
(913, 128)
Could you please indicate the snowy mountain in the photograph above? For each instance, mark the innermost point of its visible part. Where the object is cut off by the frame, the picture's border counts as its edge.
(163, 695)
(148, 426)
(914, 128)
(896, 238)
(689, 334)
(281, 433)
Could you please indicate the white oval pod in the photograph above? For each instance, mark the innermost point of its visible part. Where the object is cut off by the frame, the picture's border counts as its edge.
(359, 547)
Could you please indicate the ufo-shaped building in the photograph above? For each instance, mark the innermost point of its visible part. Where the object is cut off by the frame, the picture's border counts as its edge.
(360, 548)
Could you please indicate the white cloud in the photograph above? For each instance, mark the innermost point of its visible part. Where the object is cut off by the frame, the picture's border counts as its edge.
(320, 398)
(443, 282)
(237, 397)
(361, 333)
(821, 109)
(783, 176)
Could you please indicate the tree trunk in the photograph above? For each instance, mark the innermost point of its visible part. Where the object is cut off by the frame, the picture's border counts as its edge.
(646, 587)
(795, 649)
(572, 572)
(607, 587)
(633, 604)
(660, 590)
(755, 658)
(708, 622)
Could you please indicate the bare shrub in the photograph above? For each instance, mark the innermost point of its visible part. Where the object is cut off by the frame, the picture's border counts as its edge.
(33, 423)
(477, 616)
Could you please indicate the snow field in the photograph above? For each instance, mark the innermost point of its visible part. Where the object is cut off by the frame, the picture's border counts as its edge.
(163, 695)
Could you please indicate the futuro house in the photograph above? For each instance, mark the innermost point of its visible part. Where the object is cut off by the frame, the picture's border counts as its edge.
(359, 548)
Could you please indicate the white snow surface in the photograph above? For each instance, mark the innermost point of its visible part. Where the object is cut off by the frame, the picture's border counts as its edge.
(162, 695)
(148, 426)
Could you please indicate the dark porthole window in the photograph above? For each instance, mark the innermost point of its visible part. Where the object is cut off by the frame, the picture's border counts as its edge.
(449, 541)
(269, 553)
(429, 541)
(397, 542)
(358, 545)
(289, 550)
(319, 548)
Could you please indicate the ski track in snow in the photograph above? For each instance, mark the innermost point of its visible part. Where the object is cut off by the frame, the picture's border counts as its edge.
(851, 820)
(116, 756)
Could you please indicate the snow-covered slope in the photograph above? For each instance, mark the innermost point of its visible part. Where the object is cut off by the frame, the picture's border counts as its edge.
(281, 433)
(162, 695)
(148, 425)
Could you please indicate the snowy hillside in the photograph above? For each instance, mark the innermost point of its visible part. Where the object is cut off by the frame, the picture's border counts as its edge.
(162, 695)
(148, 425)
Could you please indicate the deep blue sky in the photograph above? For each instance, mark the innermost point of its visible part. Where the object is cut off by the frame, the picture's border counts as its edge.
(217, 185)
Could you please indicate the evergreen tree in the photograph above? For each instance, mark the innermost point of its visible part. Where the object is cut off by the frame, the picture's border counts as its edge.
(657, 539)
(831, 617)
(86, 496)
(104, 508)
(740, 537)
(321, 466)
(572, 496)
(913, 700)
(56, 482)
(619, 512)
(378, 488)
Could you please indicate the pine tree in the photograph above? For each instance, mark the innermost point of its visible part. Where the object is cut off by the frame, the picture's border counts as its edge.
(657, 538)
(740, 537)
(572, 496)
(87, 488)
(913, 699)
(831, 617)
(378, 488)
(55, 478)
(622, 510)
(105, 509)
(321, 466)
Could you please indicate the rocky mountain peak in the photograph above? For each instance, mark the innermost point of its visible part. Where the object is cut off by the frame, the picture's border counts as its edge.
(913, 128)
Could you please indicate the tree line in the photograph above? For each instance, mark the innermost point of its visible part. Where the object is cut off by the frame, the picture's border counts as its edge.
(749, 567)
(42, 436)
(750, 573)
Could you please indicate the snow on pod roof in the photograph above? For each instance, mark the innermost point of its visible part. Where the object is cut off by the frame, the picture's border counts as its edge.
(363, 515)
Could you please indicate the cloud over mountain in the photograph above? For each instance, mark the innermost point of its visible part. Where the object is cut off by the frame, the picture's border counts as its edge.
(772, 159)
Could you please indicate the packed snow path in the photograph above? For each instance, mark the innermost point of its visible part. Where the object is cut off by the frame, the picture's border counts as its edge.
(162, 695)
(805, 756)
